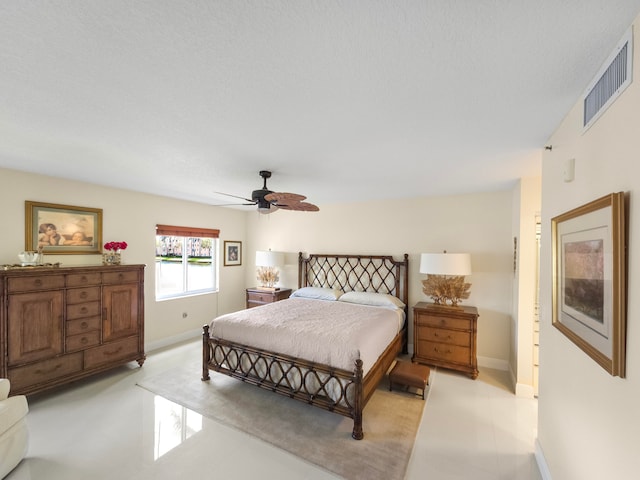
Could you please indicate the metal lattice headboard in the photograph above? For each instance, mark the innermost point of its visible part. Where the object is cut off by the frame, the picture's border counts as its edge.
(360, 273)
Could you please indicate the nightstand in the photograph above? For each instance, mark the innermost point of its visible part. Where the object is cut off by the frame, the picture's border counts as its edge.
(446, 337)
(257, 297)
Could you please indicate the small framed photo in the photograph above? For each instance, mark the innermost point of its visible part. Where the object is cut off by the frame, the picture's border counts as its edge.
(62, 229)
(589, 286)
(232, 253)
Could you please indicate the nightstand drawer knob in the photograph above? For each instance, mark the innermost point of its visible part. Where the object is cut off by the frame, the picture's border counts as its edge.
(448, 337)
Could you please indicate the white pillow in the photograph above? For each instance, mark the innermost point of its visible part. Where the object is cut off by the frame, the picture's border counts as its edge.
(317, 293)
(373, 299)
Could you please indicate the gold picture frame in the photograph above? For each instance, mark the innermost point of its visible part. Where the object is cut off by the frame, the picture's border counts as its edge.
(62, 229)
(589, 279)
(232, 253)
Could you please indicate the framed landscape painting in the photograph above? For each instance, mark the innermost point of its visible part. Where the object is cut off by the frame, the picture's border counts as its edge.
(62, 229)
(589, 279)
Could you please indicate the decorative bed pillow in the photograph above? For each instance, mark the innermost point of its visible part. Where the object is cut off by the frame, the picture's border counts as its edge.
(317, 293)
(373, 299)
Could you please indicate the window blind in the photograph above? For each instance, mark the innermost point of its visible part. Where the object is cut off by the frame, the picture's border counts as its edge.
(187, 231)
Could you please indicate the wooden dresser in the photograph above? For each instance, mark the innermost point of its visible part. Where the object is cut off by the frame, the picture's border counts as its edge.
(58, 325)
(446, 337)
(257, 297)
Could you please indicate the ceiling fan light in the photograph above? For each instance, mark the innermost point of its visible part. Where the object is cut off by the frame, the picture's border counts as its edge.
(266, 210)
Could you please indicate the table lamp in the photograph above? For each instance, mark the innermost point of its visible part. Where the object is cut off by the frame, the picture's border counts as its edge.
(445, 277)
(267, 263)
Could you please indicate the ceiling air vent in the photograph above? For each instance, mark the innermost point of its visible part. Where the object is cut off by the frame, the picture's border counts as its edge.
(614, 76)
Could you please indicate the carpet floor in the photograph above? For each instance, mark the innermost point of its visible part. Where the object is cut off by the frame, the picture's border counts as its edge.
(390, 422)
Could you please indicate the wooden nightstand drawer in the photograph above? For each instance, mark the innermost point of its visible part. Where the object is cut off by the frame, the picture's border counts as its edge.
(444, 322)
(445, 352)
(262, 297)
(257, 297)
(452, 337)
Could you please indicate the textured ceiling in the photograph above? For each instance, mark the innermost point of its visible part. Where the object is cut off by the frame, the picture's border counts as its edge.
(344, 101)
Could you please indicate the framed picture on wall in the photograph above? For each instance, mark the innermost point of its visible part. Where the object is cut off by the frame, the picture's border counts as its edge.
(232, 253)
(62, 229)
(589, 286)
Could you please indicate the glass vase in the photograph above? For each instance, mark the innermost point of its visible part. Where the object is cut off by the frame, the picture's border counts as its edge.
(111, 258)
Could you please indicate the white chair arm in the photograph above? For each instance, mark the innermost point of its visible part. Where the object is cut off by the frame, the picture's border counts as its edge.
(5, 386)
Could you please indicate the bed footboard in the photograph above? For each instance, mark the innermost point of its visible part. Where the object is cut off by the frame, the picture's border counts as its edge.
(332, 389)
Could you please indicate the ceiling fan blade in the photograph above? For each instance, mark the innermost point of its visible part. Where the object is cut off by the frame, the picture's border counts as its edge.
(300, 206)
(236, 196)
(283, 197)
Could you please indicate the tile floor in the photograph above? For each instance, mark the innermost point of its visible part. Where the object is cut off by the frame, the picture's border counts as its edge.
(108, 428)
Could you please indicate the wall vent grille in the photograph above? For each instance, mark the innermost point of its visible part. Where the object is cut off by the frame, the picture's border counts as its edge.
(610, 82)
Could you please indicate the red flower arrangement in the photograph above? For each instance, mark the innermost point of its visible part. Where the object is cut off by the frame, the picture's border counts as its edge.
(115, 246)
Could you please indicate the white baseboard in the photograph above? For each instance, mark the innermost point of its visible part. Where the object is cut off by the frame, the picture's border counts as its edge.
(542, 462)
(494, 363)
(166, 342)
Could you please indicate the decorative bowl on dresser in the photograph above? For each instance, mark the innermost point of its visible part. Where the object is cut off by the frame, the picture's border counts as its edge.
(58, 325)
(258, 296)
(445, 337)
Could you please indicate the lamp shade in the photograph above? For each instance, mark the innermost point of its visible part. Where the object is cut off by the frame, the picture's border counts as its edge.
(269, 258)
(458, 264)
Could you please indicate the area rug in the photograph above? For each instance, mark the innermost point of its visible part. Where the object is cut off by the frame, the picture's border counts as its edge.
(390, 424)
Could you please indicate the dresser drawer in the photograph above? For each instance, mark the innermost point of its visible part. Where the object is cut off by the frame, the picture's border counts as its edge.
(111, 352)
(82, 310)
(442, 335)
(29, 284)
(47, 370)
(444, 352)
(115, 278)
(259, 297)
(82, 279)
(82, 341)
(83, 325)
(80, 295)
(443, 322)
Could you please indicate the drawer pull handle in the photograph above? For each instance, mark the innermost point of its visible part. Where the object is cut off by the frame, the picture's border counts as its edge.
(38, 282)
(83, 295)
(449, 337)
(83, 279)
(84, 340)
(115, 352)
(47, 372)
(83, 310)
(437, 350)
(84, 325)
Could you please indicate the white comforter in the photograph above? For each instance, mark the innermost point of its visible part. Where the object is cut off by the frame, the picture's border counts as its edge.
(330, 332)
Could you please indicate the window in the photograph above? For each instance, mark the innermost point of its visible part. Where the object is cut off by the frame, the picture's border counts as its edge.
(186, 261)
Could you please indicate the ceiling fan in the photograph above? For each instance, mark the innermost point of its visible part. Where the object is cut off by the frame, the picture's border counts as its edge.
(269, 201)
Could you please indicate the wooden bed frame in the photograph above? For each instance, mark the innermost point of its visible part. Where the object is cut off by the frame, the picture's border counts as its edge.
(370, 273)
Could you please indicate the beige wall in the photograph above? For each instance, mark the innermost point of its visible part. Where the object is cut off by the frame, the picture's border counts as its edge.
(588, 419)
(130, 217)
(479, 224)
